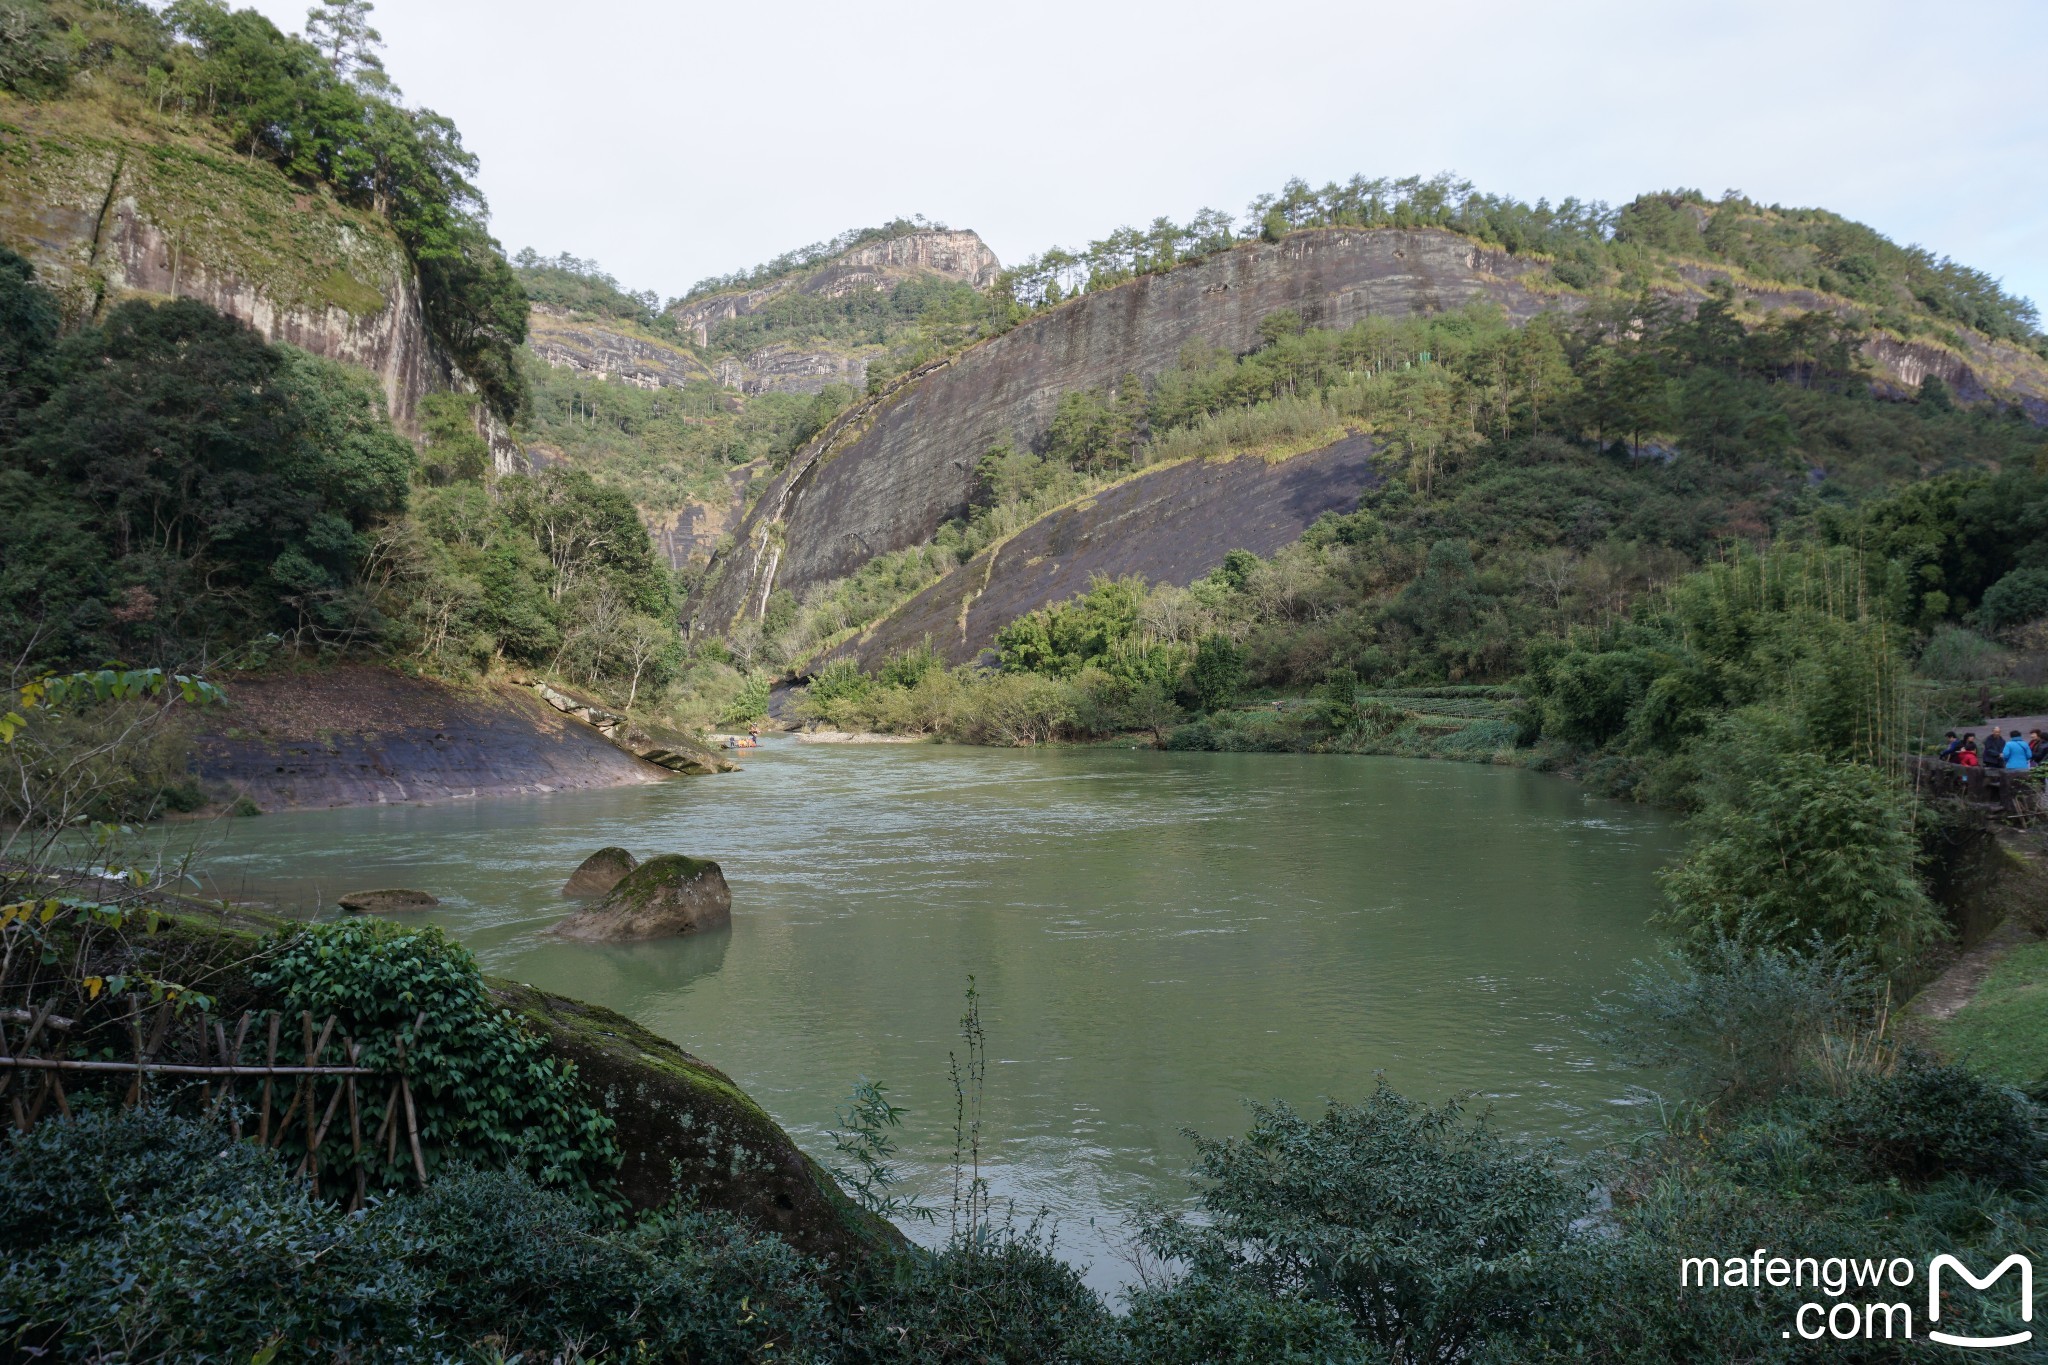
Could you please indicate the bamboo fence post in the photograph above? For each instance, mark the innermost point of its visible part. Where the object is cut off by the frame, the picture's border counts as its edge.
(235, 1059)
(270, 1059)
(412, 1128)
(355, 1125)
(299, 1088)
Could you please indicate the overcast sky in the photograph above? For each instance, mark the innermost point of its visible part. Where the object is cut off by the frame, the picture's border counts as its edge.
(673, 141)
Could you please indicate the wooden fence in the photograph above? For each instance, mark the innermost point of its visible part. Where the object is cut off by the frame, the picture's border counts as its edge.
(167, 1045)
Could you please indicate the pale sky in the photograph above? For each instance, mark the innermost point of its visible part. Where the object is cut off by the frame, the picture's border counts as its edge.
(674, 141)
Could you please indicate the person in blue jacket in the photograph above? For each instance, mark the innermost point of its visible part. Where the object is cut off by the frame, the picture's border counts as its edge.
(2018, 757)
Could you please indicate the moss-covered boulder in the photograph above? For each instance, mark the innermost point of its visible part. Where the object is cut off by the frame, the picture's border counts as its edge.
(600, 872)
(686, 1129)
(390, 900)
(661, 898)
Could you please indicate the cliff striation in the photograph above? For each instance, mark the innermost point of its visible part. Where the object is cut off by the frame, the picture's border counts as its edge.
(904, 463)
(106, 213)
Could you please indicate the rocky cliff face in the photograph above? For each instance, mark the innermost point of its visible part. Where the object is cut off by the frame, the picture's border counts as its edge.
(903, 464)
(876, 265)
(893, 477)
(105, 216)
(1171, 524)
(588, 345)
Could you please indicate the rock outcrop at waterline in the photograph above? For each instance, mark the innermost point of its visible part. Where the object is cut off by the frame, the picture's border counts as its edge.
(664, 897)
(387, 901)
(362, 736)
(1171, 524)
(686, 1131)
(660, 745)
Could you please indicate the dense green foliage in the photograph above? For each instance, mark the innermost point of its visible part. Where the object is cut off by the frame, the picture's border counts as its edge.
(482, 1086)
(324, 114)
(170, 482)
(176, 488)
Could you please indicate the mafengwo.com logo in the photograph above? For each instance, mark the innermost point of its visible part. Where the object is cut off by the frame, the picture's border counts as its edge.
(1866, 1299)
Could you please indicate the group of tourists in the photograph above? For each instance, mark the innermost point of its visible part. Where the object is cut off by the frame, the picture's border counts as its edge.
(2014, 752)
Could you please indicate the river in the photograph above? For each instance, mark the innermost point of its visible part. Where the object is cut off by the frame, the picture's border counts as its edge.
(1154, 937)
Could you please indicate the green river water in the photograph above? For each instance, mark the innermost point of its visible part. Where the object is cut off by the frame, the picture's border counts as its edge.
(1155, 937)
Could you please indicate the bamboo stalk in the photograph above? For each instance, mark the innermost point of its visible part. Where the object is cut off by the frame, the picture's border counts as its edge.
(263, 1129)
(355, 1126)
(179, 1068)
(234, 1058)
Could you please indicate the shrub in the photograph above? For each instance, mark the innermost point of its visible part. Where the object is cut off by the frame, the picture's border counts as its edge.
(484, 1087)
(2019, 597)
(1927, 1120)
(1804, 847)
(1428, 1232)
(1734, 1024)
(1953, 654)
(1000, 1298)
(140, 1236)
(1203, 1321)
(537, 1270)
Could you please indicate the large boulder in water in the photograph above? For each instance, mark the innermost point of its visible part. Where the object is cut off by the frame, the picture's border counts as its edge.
(387, 901)
(600, 872)
(661, 898)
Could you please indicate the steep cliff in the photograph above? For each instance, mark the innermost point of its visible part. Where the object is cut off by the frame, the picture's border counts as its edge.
(107, 211)
(894, 476)
(903, 464)
(608, 349)
(1170, 524)
(874, 266)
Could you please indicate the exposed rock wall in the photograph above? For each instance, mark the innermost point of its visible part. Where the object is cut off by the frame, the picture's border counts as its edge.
(105, 217)
(586, 345)
(359, 736)
(960, 255)
(910, 466)
(790, 369)
(1172, 525)
(891, 477)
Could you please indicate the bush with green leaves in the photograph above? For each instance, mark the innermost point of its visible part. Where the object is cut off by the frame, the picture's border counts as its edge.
(1430, 1232)
(1926, 1119)
(485, 1089)
(2019, 597)
(142, 1236)
(1734, 1023)
(1794, 846)
(992, 1296)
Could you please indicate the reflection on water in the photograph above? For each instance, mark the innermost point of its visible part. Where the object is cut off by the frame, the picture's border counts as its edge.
(1154, 936)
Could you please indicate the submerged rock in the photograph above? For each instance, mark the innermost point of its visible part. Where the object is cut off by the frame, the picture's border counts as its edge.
(600, 872)
(391, 900)
(661, 898)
